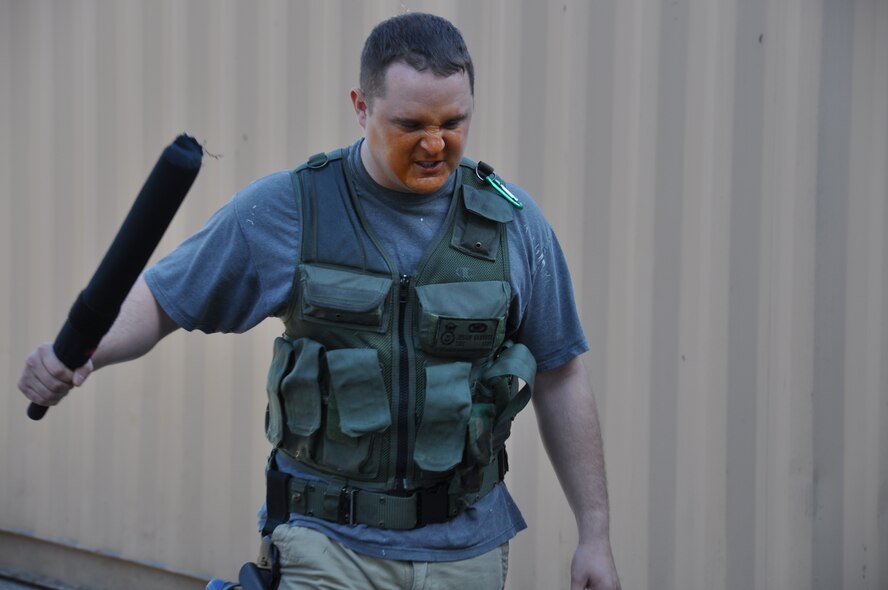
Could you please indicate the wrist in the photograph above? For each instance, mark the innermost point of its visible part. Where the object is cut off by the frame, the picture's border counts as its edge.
(593, 526)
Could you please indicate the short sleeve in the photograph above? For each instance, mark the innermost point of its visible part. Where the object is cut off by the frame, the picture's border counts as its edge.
(544, 309)
(238, 269)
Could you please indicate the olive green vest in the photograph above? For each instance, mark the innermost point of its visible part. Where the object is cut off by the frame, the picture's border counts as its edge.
(388, 382)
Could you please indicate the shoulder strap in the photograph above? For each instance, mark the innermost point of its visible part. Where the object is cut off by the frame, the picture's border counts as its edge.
(331, 228)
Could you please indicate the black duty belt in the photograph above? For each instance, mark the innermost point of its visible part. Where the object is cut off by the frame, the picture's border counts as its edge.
(338, 502)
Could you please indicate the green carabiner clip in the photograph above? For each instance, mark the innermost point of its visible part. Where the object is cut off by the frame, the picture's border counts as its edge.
(485, 172)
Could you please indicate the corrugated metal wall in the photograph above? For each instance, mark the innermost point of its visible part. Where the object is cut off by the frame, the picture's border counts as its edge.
(716, 171)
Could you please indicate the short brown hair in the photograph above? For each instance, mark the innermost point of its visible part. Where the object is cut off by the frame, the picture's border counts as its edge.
(422, 41)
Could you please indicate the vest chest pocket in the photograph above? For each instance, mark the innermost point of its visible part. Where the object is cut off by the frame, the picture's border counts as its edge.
(463, 320)
(343, 298)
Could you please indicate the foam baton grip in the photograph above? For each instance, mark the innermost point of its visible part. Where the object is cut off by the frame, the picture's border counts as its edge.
(98, 305)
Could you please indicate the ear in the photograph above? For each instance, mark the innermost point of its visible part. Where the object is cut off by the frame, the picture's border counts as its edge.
(362, 107)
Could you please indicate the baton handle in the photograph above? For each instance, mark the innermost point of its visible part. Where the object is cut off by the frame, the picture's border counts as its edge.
(98, 305)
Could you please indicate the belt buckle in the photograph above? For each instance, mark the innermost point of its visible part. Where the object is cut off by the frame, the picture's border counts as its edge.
(346, 512)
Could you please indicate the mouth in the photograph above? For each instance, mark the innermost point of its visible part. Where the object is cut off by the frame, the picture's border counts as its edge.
(433, 166)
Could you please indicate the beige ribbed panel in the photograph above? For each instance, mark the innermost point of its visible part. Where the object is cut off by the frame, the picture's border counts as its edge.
(717, 173)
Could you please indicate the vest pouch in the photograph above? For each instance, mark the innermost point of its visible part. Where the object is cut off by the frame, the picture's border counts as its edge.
(478, 233)
(357, 412)
(343, 298)
(301, 389)
(281, 363)
(463, 320)
(441, 437)
(294, 395)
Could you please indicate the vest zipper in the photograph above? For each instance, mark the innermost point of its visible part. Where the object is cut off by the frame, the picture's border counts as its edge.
(403, 385)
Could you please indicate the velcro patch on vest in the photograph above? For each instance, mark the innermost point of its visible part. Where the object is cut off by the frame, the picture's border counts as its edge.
(463, 336)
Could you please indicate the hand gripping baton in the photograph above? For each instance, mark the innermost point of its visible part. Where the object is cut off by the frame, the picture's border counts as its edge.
(98, 304)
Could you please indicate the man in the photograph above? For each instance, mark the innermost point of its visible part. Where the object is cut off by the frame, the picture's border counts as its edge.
(416, 290)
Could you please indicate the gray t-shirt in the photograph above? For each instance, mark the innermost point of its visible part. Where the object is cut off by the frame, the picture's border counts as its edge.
(238, 270)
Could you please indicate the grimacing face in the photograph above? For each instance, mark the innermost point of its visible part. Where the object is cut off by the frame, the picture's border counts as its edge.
(415, 135)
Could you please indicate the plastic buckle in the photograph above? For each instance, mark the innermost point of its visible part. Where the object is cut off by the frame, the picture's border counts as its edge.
(317, 161)
(346, 512)
(483, 170)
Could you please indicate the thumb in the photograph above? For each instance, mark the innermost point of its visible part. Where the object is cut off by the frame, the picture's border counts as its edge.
(82, 373)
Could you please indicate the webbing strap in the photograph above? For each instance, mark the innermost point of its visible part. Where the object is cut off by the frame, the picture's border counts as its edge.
(347, 505)
(516, 361)
(276, 499)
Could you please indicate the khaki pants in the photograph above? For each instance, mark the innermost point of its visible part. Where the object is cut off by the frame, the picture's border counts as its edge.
(312, 561)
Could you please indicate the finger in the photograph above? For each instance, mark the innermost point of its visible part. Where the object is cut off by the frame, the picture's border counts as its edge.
(53, 365)
(37, 394)
(37, 381)
(82, 373)
(49, 385)
(577, 584)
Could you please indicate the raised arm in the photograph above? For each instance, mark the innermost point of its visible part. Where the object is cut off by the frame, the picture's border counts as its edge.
(568, 423)
(142, 323)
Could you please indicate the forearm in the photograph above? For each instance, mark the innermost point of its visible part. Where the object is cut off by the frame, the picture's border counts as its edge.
(141, 324)
(568, 421)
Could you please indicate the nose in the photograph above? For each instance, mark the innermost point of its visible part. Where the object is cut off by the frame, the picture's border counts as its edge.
(433, 142)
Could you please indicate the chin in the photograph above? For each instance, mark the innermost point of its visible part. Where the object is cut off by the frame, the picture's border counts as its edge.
(427, 186)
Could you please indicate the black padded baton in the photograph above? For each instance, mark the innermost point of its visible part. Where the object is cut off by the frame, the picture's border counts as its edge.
(98, 304)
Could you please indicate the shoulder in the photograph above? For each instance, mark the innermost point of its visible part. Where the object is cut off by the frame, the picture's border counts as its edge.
(270, 198)
(267, 188)
(530, 227)
(530, 212)
(527, 214)
(529, 234)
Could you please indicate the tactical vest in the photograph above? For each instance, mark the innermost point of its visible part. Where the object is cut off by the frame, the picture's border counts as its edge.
(390, 388)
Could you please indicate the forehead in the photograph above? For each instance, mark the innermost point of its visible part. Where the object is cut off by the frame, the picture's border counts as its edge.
(407, 89)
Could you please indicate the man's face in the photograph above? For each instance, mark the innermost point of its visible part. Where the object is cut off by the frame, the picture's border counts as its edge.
(415, 134)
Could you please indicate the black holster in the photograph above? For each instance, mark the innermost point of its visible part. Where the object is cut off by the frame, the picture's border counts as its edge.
(252, 577)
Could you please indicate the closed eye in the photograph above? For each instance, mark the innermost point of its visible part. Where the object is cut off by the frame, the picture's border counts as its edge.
(411, 125)
(407, 124)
